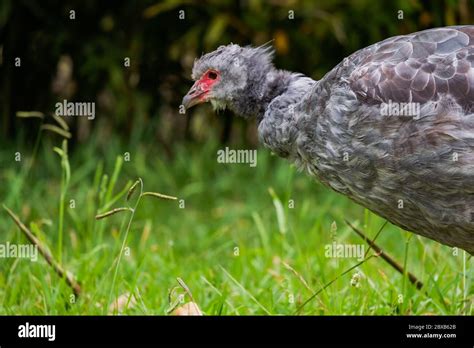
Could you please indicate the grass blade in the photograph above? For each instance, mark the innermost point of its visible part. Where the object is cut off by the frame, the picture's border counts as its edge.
(280, 212)
(112, 212)
(57, 130)
(30, 114)
(245, 290)
(159, 195)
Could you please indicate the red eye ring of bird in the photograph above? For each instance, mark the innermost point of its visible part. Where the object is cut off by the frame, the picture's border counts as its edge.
(199, 92)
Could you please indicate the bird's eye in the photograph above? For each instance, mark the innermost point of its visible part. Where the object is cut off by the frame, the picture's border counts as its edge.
(212, 75)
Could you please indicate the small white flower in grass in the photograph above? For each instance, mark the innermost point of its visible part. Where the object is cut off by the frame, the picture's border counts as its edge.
(355, 280)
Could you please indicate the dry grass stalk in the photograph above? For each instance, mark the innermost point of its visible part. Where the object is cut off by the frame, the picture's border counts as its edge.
(70, 279)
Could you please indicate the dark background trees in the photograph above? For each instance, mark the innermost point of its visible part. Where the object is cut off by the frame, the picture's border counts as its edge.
(82, 59)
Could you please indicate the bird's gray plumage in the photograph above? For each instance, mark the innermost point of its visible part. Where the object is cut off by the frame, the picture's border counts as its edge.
(417, 171)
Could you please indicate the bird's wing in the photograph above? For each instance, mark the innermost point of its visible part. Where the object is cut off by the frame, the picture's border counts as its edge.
(426, 161)
(416, 68)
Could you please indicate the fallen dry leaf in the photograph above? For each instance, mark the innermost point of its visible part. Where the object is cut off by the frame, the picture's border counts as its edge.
(189, 308)
(122, 302)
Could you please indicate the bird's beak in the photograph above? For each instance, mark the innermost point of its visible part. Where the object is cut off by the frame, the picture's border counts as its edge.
(196, 95)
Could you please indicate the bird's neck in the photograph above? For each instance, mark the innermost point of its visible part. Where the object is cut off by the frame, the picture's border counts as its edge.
(277, 123)
(258, 94)
(276, 84)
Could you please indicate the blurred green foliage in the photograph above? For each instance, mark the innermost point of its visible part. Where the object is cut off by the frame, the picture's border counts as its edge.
(83, 58)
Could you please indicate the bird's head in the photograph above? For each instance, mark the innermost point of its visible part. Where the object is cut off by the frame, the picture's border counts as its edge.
(231, 77)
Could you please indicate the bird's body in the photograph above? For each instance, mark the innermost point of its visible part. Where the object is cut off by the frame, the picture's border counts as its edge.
(391, 127)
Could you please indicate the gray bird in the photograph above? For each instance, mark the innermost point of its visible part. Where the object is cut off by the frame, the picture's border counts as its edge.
(391, 126)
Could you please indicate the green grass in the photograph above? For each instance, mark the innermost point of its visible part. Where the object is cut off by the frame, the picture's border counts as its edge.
(234, 241)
